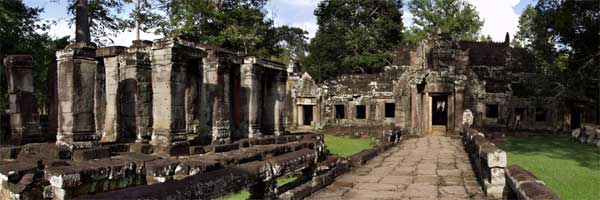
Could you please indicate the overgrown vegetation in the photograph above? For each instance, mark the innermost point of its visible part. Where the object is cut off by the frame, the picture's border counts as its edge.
(346, 146)
(570, 169)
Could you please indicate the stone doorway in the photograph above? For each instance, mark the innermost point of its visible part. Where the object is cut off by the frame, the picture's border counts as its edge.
(308, 115)
(439, 114)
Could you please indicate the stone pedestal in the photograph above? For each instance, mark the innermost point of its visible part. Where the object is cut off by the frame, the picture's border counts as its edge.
(251, 106)
(76, 79)
(107, 112)
(135, 80)
(24, 121)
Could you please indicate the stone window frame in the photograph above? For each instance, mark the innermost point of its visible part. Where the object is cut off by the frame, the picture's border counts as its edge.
(336, 113)
(356, 114)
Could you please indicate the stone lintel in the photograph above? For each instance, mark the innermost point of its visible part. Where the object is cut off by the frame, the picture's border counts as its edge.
(18, 61)
(109, 51)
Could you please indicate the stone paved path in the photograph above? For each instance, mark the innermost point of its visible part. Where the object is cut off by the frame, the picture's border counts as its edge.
(433, 167)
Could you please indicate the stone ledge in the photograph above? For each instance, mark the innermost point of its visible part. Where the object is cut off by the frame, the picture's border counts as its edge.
(526, 185)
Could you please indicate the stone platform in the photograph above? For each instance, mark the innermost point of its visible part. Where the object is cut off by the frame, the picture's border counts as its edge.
(433, 167)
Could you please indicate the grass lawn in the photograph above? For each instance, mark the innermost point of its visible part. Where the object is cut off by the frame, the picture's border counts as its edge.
(346, 146)
(243, 195)
(570, 169)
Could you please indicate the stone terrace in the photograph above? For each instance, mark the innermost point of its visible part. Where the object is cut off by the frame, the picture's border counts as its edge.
(419, 168)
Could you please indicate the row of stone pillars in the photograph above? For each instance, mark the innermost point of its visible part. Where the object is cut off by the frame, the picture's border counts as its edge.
(160, 92)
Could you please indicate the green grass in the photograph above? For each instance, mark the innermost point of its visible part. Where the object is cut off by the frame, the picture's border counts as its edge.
(570, 169)
(346, 146)
(244, 194)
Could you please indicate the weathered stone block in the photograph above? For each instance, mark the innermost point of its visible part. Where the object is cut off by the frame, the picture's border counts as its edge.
(89, 154)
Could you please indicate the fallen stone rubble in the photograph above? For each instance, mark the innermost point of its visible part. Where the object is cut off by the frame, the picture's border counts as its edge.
(588, 134)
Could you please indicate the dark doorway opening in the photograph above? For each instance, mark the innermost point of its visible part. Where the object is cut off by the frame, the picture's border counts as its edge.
(575, 119)
(439, 110)
(390, 110)
(361, 112)
(308, 114)
(339, 112)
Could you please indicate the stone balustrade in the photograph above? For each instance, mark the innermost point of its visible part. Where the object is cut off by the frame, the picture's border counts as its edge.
(488, 162)
(522, 184)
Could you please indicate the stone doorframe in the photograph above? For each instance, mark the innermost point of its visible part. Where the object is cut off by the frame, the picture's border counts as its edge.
(298, 113)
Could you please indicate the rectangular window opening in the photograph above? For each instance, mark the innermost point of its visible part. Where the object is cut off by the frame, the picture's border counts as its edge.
(361, 112)
(390, 110)
(491, 111)
(340, 112)
(540, 114)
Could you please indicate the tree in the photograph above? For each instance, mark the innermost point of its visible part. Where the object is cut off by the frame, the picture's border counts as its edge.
(354, 36)
(104, 20)
(17, 31)
(456, 17)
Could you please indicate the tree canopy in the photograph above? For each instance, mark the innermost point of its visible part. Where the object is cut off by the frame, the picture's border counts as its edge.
(353, 36)
(563, 37)
(456, 17)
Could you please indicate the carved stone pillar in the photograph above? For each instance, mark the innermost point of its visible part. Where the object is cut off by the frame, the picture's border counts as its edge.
(217, 72)
(107, 126)
(76, 83)
(458, 108)
(252, 91)
(280, 81)
(169, 57)
(135, 92)
(415, 102)
(24, 121)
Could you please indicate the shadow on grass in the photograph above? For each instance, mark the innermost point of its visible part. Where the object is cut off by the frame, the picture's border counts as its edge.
(556, 147)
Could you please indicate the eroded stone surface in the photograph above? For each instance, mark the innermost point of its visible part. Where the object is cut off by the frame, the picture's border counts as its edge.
(420, 168)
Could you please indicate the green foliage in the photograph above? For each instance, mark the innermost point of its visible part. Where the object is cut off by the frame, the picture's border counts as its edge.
(456, 17)
(563, 37)
(346, 146)
(354, 36)
(104, 20)
(570, 169)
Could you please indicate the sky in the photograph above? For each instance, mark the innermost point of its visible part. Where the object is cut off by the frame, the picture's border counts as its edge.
(500, 16)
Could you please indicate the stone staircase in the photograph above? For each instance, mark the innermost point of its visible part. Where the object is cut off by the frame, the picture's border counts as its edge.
(438, 130)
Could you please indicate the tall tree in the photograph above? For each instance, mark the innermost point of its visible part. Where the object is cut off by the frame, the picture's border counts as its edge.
(354, 36)
(103, 16)
(456, 17)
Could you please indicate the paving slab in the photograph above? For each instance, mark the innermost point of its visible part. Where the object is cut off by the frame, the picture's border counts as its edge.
(431, 167)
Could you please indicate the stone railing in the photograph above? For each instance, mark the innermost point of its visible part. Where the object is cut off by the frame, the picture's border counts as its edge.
(589, 134)
(522, 184)
(498, 180)
(488, 162)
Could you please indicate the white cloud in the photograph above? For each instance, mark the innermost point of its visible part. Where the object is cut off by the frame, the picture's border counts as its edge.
(310, 27)
(499, 17)
(299, 2)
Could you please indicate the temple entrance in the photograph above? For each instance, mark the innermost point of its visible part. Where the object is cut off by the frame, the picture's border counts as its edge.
(308, 115)
(439, 114)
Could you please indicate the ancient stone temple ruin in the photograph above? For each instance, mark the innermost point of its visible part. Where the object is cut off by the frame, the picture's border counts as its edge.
(175, 118)
(427, 89)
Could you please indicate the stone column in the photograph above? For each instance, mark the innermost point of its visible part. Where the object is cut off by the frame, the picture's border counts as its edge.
(108, 125)
(24, 121)
(252, 91)
(458, 108)
(76, 79)
(415, 102)
(221, 127)
(280, 81)
(168, 96)
(135, 92)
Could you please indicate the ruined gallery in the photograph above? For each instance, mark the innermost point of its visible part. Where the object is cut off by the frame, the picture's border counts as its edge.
(176, 118)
